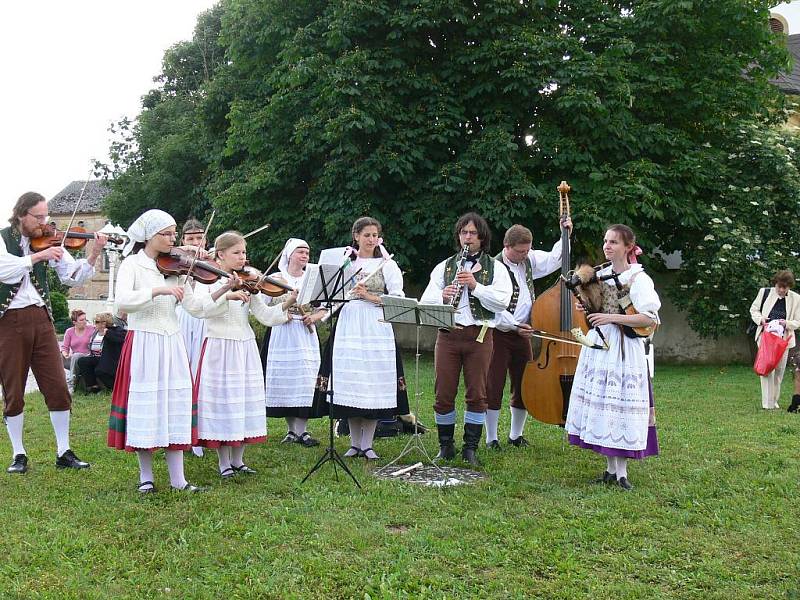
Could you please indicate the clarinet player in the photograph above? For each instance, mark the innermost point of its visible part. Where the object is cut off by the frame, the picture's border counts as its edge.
(479, 287)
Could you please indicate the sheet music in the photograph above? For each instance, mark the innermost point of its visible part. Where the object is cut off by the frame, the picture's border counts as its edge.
(309, 283)
(437, 315)
(410, 311)
(399, 310)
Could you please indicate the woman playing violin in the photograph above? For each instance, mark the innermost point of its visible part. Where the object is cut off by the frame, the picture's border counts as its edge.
(229, 389)
(193, 330)
(291, 354)
(611, 405)
(152, 398)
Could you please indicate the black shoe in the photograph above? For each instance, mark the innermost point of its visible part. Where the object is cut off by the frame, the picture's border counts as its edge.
(190, 488)
(353, 452)
(519, 442)
(68, 460)
(494, 445)
(472, 436)
(624, 484)
(447, 448)
(795, 405)
(245, 470)
(306, 440)
(290, 438)
(146, 487)
(365, 453)
(606, 477)
(226, 474)
(19, 465)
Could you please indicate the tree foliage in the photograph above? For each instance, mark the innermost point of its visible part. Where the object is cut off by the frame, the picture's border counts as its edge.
(314, 113)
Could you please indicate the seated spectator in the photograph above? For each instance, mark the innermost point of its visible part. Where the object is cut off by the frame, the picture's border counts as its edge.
(101, 365)
(76, 342)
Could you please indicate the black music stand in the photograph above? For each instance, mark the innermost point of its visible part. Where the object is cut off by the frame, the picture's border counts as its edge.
(329, 288)
(408, 311)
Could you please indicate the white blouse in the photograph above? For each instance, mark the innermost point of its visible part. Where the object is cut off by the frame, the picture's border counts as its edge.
(228, 319)
(136, 278)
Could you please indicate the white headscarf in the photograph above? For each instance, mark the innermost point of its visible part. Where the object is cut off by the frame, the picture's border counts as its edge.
(146, 226)
(292, 244)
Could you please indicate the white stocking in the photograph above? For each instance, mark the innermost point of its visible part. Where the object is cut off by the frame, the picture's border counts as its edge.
(612, 464)
(355, 431)
(60, 421)
(301, 425)
(224, 456)
(368, 432)
(518, 418)
(145, 465)
(291, 424)
(492, 419)
(237, 456)
(622, 467)
(14, 426)
(175, 468)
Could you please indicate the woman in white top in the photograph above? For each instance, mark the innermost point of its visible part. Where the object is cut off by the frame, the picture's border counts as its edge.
(611, 405)
(367, 374)
(152, 399)
(290, 353)
(193, 238)
(229, 388)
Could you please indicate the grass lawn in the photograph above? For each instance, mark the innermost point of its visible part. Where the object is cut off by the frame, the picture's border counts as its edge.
(715, 516)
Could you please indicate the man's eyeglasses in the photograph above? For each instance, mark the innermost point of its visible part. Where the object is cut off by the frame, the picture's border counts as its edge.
(40, 218)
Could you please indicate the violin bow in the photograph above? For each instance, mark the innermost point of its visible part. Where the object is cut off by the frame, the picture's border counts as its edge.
(75, 210)
(255, 231)
(196, 254)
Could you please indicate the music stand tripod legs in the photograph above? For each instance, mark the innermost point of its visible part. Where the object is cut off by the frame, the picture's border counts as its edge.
(415, 441)
(330, 453)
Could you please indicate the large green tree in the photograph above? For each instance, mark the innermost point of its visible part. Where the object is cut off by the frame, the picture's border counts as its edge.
(416, 111)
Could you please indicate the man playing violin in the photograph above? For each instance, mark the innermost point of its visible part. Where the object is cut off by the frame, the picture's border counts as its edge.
(27, 336)
(480, 287)
(511, 344)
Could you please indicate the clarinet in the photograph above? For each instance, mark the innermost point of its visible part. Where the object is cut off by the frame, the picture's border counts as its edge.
(462, 259)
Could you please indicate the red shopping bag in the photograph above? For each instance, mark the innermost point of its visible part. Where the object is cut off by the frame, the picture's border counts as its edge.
(770, 352)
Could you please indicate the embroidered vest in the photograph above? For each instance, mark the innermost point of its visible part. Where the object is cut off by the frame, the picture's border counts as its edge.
(11, 237)
(484, 277)
(514, 285)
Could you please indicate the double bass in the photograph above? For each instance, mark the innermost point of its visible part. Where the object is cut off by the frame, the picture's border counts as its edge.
(547, 381)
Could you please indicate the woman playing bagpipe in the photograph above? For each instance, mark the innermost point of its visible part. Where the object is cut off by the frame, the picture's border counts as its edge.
(228, 388)
(152, 406)
(611, 405)
(290, 353)
(361, 355)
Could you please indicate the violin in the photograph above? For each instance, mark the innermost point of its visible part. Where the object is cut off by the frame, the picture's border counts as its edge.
(254, 281)
(178, 262)
(76, 238)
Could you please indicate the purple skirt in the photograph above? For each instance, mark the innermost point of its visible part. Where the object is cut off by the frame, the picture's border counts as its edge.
(651, 449)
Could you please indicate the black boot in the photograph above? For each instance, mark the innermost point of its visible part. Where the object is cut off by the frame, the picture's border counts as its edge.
(795, 405)
(472, 435)
(447, 449)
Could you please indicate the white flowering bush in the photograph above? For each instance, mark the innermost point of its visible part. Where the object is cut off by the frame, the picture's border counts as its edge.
(750, 230)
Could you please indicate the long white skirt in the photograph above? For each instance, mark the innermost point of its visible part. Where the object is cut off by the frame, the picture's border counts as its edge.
(230, 393)
(160, 392)
(194, 332)
(610, 401)
(364, 363)
(292, 365)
